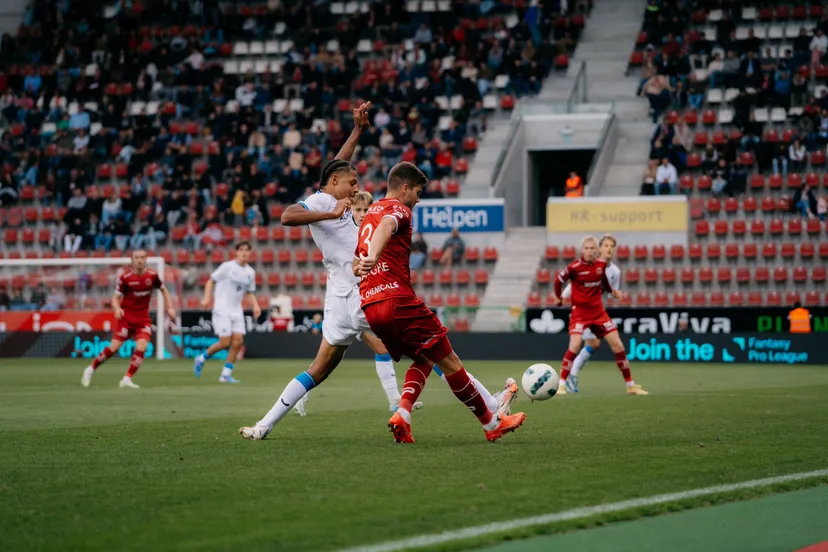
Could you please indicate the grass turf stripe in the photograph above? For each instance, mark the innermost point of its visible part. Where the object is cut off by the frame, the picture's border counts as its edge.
(578, 513)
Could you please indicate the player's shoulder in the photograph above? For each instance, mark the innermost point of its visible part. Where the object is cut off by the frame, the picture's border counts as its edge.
(319, 200)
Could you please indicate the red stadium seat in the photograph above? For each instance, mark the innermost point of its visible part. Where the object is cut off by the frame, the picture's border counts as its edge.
(731, 251)
(761, 275)
(736, 299)
(677, 253)
(569, 253)
(698, 299)
(750, 251)
(694, 251)
(631, 276)
(788, 250)
(773, 299)
(659, 252)
(642, 299)
(622, 253)
(490, 254)
(668, 276)
(806, 250)
(799, 274)
(552, 253)
(716, 299)
(757, 228)
(812, 299)
(661, 299)
(769, 251)
(755, 299)
(749, 204)
(640, 252)
(723, 275)
(472, 254)
(688, 276)
(705, 275)
(714, 251)
(544, 277)
(534, 300)
(679, 299)
(481, 277)
(650, 276)
(818, 275)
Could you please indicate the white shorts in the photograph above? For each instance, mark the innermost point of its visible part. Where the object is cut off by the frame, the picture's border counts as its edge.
(225, 325)
(588, 334)
(343, 321)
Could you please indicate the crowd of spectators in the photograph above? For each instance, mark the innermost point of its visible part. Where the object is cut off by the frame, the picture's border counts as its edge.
(145, 91)
(681, 66)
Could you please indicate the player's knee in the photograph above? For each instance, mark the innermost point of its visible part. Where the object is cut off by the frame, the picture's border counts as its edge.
(236, 341)
(224, 341)
(450, 364)
(594, 344)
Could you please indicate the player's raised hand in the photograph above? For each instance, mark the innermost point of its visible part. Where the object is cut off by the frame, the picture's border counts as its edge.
(119, 313)
(341, 206)
(361, 118)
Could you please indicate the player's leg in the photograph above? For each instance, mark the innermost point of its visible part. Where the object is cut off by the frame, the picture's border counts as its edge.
(494, 425)
(617, 346)
(236, 344)
(327, 359)
(223, 328)
(102, 357)
(141, 342)
(591, 344)
(385, 369)
(499, 402)
(575, 338)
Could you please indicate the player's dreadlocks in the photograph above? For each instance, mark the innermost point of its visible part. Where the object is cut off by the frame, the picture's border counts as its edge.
(331, 168)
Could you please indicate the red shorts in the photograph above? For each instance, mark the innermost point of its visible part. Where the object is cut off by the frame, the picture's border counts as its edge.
(598, 322)
(407, 327)
(126, 328)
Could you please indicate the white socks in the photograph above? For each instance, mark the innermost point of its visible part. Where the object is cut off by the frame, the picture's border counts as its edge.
(582, 358)
(387, 377)
(491, 402)
(295, 390)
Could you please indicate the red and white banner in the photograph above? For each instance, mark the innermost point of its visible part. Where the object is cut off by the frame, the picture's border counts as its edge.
(57, 321)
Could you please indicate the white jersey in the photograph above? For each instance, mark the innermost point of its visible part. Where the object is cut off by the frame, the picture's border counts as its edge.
(337, 239)
(613, 275)
(233, 282)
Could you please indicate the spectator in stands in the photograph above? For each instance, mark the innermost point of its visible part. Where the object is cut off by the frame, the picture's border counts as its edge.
(782, 89)
(648, 181)
(316, 324)
(822, 207)
(780, 160)
(750, 70)
(92, 230)
(73, 237)
(105, 236)
(657, 90)
(121, 233)
(38, 297)
(738, 177)
(731, 69)
(666, 178)
(679, 96)
(111, 208)
(5, 300)
(715, 70)
(710, 158)
(453, 249)
(804, 202)
(56, 300)
(818, 47)
(721, 179)
(751, 133)
(798, 155)
(80, 120)
(419, 252)
(8, 190)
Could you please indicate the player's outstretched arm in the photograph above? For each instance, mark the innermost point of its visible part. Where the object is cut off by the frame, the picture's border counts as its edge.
(208, 293)
(168, 303)
(297, 215)
(254, 304)
(361, 123)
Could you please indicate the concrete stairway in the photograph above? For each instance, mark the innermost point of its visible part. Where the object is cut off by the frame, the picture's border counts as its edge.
(512, 279)
(605, 47)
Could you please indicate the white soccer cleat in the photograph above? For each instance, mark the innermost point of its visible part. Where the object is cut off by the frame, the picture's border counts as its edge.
(255, 433)
(87, 376)
(561, 388)
(300, 406)
(128, 383)
(506, 397)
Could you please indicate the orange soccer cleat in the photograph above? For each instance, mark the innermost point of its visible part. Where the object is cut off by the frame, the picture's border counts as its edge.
(507, 425)
(401, 429)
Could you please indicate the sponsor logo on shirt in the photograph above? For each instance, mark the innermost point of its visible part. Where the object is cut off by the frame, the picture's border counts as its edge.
(141, 293)
(591, 284)
(380, 288)
(134, 283)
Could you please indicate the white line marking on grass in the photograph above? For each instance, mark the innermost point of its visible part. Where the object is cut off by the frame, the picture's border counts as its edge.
(577, 513)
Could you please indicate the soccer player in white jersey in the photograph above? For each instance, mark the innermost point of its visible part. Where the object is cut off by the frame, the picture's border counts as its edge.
(329, 215)
(235, 283)
(606, 248)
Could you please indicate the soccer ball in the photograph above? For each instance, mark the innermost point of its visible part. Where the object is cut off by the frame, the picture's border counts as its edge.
(540, 382)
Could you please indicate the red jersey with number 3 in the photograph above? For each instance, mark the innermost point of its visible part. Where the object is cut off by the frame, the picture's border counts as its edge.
(136, 293)
(589, 282)
(391, 277)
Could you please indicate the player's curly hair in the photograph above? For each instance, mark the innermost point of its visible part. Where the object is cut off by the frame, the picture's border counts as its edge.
(333, 167)
(406, 172)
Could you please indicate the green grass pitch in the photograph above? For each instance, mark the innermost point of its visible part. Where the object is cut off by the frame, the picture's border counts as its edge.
(163, 467)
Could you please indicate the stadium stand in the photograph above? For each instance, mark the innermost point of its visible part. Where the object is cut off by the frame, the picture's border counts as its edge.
(738, 97)
(183, 131)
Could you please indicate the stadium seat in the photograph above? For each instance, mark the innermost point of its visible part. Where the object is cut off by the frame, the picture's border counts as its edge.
(429, 278)
(773, 299)
(688, 276)
(769, 251)
(642, 299)
(668, 276)
(462, 277)
(721, 228)
(631, 276)
(749, 251)
(481, 277)
(780, 275)
(731, 251)
(716, 299)
(472, 254)
(698, 299)
(806, 250)
(640, 252)
(544, 277)
(761, 275)
(694, 252)
(714, 251)
(650, 276)
(659, 252)
(818, 275)
(490, 254)
(705, 275)
(534, 300)
(677, 253)
(723, 276)
(446, 277)
(812, 299)
(679, 299)
(736, 299)
(788, 251)
(622, 253)
(755, 299)
(552, 253)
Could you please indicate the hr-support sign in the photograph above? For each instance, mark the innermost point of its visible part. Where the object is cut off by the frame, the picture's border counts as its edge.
(617, 214)
(442, 215)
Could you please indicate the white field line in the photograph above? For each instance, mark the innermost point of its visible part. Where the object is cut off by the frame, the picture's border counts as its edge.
(577, 513)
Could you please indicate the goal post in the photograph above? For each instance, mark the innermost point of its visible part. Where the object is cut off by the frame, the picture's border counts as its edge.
(77, 292)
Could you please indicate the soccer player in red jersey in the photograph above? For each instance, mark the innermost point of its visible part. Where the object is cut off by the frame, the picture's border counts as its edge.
(130, 304)
(588, 278)
(399, 318)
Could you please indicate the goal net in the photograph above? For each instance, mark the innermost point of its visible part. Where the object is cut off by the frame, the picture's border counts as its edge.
(60, 307)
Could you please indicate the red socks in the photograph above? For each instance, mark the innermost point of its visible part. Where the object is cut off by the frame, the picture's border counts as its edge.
(102, 357)
(415, 379)
(566, 365)
(135, 363)
(623, 365)
(465, 390)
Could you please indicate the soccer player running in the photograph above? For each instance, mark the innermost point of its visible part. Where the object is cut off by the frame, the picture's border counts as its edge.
(606, 248)
(130, 304)
(234, 282)
(400, 319)
(588, 277)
